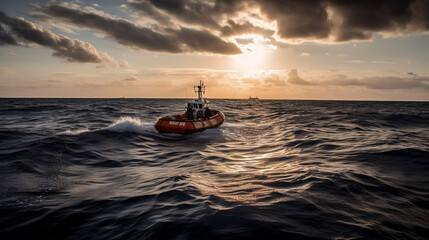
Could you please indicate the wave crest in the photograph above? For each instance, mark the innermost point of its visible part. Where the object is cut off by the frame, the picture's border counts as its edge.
(75, 131)
(127, 124)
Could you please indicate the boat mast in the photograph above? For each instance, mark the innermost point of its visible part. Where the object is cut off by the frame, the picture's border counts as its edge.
(200, 90)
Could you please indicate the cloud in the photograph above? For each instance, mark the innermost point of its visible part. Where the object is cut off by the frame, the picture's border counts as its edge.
(359, 19)
(115, 64)
(73, 50)
(123, 63)
(376, 83)
(208, 26)
(151, 12)
(132, 78)
(244, 41)
(383, 83)
(10, 52)
(204, 41)
(121, 30)
(275, 80)
(383, 62)
(295, 79)
(236, 29)
(338, 20)
(326, 20)
(393, 83)
(201, 13)
(5, 37)
(129, 34)
(354, 61)
(298, 19)
(292, 80)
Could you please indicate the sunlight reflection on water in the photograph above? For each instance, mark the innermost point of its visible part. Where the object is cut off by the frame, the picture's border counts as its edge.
(247, 178)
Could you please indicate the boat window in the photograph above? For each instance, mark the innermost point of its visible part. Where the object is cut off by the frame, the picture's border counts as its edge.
(201, 105)
(195, 105)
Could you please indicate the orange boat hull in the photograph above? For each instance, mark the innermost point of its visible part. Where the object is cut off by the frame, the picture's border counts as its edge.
(180, 124)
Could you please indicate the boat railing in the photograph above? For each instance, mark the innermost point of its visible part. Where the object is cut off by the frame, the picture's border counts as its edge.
(183, 117)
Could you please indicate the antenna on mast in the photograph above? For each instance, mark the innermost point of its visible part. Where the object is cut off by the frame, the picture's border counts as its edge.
(201, 89)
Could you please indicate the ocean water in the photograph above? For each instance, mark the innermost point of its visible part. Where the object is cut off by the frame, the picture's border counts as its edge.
(97, 169)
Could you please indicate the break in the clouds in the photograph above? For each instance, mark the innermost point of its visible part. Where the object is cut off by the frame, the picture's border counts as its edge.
(73, 50)
(326, 20)
(171, 40)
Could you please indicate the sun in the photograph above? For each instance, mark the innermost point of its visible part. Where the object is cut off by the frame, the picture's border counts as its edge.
(252, 58)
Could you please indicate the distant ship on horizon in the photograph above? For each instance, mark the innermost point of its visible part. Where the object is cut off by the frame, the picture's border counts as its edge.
(253, 98)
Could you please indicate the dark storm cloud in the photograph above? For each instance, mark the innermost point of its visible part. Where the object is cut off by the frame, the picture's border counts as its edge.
(203, 26)
(185, 11)
(73, 50)
(361, 18)
(203, 41)
(328, 20)
(298, 19)
(6, 38)
(150, 11)
(130, 34)
(347, 20)
(200, 13)
(121, 30)
(203, 13)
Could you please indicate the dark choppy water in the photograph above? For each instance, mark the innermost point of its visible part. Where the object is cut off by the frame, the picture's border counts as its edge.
(97, 169)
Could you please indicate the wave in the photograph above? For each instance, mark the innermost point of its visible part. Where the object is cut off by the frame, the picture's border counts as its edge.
(73, 132)
(128, 124)
(121, 125)
(273, 170)
(34, 108)
(146, 131)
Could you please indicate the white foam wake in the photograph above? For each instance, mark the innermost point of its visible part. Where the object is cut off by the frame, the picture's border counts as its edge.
(75, 131)
(123, 124)
(128, 124)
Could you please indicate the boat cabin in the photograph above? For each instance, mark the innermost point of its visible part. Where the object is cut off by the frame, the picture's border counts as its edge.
(197, 108)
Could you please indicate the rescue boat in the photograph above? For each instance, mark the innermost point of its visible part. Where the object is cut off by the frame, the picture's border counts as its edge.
(198, 117)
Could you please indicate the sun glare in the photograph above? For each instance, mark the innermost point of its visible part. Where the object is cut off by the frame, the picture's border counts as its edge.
(252, 58)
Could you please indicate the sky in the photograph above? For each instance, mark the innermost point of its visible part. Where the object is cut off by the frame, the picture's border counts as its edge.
(271, 49)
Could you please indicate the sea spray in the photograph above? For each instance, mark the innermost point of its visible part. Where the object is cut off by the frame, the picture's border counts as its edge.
(127, 124)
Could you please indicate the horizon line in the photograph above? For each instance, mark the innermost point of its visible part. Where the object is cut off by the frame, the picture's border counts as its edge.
(263, 99)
